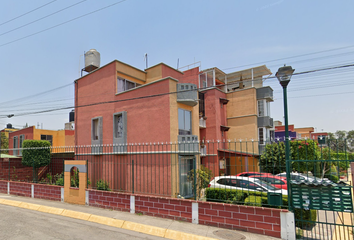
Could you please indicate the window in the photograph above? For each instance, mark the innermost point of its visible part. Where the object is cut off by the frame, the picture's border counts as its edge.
(124, 85)
(263, 108)
(184, 122)
(47, 138)
(95, 129)
(186, 186)
(15, 151)
(22, 137)
(261, 136)
(96, 135)
(120, 130)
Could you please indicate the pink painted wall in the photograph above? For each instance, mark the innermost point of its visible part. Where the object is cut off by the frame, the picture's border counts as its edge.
(170, 72)
(148, 119)
(28, 132)
(191, 76)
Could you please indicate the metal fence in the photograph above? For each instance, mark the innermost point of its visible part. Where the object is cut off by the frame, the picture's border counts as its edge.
(318, 190)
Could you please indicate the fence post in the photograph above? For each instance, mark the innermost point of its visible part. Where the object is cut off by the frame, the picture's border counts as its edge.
(9, 169)
(195, 179)
(133, 175)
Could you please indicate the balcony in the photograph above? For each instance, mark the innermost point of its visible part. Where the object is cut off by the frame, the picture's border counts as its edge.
(188, 144)
(265, 121)
(187, 94)
(265, 93)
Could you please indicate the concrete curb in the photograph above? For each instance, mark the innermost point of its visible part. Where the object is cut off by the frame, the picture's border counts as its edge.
(136, 227)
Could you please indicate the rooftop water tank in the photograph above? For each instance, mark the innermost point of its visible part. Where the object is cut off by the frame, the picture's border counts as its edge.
(92, 60)
(72, 116)
(9, 125)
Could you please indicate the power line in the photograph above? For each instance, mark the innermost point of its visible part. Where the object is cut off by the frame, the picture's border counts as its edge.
(157, 95)
(38, 94)
(39, 19)
(302, 55)
(60, 24)
(26, 13)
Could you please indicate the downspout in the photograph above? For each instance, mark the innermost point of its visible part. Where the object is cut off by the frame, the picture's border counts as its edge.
(76, 110)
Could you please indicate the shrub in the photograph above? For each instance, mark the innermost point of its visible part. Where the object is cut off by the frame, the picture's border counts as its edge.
(225, 195)
(254, 200)
(36, 154)
(102, 185)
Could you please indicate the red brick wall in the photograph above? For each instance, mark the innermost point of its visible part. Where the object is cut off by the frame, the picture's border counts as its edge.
(50, 192)
(20, 189)
(3, 186)
(111, 200)
(164, 207)
(259, 220)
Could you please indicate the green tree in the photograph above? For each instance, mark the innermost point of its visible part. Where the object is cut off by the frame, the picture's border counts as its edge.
(341, 141)
(273, 158)
(4, 143)
(36, 154)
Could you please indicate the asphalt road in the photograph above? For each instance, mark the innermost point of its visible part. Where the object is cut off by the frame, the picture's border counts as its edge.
(18, 223)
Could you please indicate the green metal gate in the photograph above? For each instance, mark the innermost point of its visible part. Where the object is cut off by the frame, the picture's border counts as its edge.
(321, 190)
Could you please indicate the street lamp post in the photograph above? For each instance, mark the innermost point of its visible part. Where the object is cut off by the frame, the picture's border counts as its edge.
(284, 75)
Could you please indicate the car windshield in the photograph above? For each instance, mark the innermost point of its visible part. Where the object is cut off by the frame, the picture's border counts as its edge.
(265, 184)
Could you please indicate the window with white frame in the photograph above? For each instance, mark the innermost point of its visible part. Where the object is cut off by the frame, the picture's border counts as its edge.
(263, 108)
(124, 85)
(184, 122)
(22, 137)
(15, 151)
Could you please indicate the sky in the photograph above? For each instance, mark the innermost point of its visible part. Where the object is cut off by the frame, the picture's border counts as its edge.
(43, 43)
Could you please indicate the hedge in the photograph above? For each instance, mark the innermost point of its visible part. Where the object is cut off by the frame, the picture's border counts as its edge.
(260, 199)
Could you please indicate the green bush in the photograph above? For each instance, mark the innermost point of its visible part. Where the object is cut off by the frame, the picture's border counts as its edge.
(254, 200)
(225, 195)
(102, 185)
(36, 154)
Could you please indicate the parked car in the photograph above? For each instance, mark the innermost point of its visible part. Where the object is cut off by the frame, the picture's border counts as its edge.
(244, 184)
(276, 181)
(299, 177)
(249, 174)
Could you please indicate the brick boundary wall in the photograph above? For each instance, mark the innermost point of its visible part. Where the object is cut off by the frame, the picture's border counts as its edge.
(164, 207)
(259, 220)
(110, 200)
(265, 221)
(50, 192)
(42, 191)
(3, 186)
(20, 189)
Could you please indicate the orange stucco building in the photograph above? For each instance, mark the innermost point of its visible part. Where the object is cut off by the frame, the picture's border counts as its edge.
(59, 138)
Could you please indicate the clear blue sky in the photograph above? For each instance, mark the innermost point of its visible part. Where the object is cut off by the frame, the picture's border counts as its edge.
(226, 34)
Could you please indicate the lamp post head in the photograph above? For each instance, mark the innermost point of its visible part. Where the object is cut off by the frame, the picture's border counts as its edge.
(284, 75)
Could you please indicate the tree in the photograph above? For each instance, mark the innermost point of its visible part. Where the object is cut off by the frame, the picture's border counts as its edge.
(341, 141)
(36, 154)
(273, 158)
(4, 143)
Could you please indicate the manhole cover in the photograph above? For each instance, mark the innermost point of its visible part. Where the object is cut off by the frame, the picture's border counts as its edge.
(229, 235)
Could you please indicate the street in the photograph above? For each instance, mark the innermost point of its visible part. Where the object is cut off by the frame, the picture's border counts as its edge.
(18, 223)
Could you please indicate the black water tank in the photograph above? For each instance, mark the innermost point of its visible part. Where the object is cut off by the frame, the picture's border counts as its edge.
(9, 125)
(72, 116)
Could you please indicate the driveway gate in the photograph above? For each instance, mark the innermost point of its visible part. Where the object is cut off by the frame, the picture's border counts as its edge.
(321, 192)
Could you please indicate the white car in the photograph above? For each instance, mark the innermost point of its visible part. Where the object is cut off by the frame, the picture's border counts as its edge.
(244, 184)
(299, 177)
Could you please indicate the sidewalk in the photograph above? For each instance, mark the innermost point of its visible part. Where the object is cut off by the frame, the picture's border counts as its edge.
(149, 225)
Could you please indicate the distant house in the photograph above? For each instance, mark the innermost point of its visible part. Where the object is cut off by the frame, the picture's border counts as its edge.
(59, 138)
